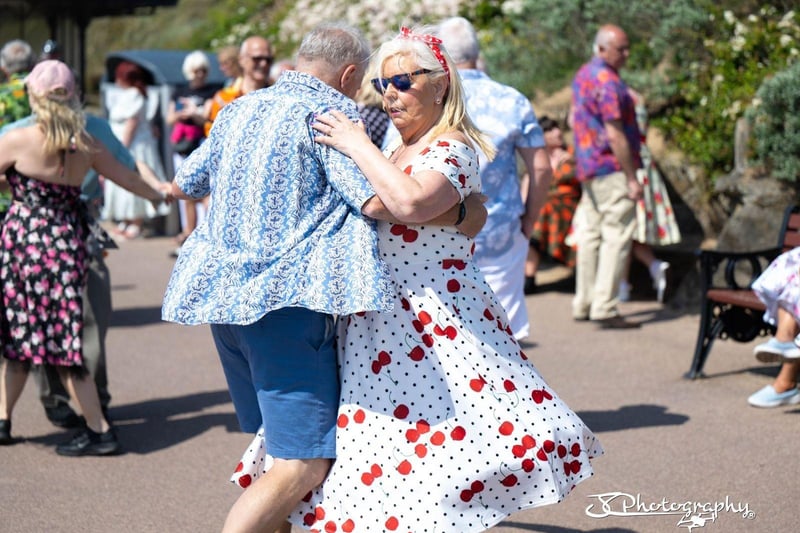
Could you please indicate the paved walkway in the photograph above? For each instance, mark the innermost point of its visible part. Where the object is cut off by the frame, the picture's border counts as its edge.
(686, 443)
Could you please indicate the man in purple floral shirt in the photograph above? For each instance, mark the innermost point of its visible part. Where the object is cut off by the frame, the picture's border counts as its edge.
(607, 152)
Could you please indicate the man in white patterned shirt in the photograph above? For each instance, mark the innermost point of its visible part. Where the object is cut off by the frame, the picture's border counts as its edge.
(507, 117)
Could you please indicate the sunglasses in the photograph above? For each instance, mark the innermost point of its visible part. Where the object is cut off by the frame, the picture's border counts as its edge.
(259, 59)
(401, 82)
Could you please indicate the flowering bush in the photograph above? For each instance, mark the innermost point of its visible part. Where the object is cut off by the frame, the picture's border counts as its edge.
(717, 85)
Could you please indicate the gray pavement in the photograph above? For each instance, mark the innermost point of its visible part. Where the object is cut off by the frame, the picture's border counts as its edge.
(671, 444)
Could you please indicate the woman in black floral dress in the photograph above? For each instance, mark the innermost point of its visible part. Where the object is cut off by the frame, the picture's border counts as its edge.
(43, 247)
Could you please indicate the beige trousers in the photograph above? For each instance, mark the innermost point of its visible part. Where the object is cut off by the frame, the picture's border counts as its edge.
(606, 226)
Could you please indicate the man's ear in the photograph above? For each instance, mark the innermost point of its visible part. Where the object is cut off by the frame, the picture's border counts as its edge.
(347, 77)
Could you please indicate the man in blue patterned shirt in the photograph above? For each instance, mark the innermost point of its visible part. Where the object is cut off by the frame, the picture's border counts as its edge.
(507, 117)
(283, 249)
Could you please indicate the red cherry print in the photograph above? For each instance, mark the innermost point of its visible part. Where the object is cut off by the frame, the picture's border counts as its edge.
(349, 526)
(425, 150)
(401, 411)
(576, 466)
(330, 527)
(424, 318)
(562, 451)
(319, 513)
(537, 396)
(376, 470)
(547, 395)
(418, 325)
(384, 358)
(376, 367)
(427, 340)
(392, 523)
(509, 386)
(488, 314)
(506, 428)
(466, 495)
(523, 356)
(405, 304)
(307, 497)
(245, 481)
(361, 313)
(416, 353)
(549, 446)
(453, 285)
(398, 229)
(529, 442)
(404, 467)
(410, 235)
(541, 455)
(499, 325)
(477, 384)
(518, 450)
(412, 435)
(367, 478)
(309, 519)
(508, 330)
(421, 450)
(509, 481)
(442, 143)
(451, 332)
(528, 465)
(462, 179)
(575, 450)
(239, 467)
(437, 439)
(458, 433)
(437, 329)
(423, 426)
(476, 486)
(342, 421)
(359, 416)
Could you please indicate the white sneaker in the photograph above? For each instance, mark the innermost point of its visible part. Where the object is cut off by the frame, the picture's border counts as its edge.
(658, 271)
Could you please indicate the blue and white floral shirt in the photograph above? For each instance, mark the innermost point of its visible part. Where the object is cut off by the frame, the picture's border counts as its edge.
(506, 116)
(284, 227)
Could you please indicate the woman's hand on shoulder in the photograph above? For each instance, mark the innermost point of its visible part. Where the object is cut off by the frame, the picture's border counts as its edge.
(338, 131)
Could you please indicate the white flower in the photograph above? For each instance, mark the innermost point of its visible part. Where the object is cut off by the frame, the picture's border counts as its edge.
(785, 40)
(729, 17)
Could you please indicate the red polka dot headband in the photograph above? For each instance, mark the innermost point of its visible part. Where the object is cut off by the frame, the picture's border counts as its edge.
(432, 42)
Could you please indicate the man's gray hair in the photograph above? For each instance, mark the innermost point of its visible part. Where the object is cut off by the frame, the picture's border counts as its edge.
(335, 43)
(17, 56)
(602, 38)
(459, 38)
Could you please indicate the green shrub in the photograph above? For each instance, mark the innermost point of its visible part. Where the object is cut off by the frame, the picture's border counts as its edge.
(775, 117)
(716, 86)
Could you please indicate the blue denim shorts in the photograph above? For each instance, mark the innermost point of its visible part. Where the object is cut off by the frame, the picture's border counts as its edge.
(282, 373)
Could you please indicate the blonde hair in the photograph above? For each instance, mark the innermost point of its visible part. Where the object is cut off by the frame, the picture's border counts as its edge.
(63, 124)
(454, 111)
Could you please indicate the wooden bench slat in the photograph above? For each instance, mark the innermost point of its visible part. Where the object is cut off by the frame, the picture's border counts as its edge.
(739, 298)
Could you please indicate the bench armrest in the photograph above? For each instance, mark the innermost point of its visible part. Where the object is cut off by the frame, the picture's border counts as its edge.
(713, 261)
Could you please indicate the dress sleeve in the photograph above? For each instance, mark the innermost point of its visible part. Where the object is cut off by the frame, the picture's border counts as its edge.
(124, 104)
(457, 161)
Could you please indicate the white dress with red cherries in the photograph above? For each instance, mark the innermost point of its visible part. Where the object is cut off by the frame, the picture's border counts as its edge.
(444, 424)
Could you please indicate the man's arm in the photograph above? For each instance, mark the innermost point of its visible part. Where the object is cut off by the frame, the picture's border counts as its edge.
(540, 176)
(622, 151)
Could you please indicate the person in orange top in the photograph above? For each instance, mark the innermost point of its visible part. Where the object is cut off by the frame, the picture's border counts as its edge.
(255, 59)
(550, 230)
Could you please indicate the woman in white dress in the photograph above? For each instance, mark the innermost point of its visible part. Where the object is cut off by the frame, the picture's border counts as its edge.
(127, 110)
(444, 424)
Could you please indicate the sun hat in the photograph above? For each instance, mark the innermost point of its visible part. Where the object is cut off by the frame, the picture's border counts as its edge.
(52, 79)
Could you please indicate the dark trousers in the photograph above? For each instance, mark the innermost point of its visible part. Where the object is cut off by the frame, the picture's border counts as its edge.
(96, 318)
